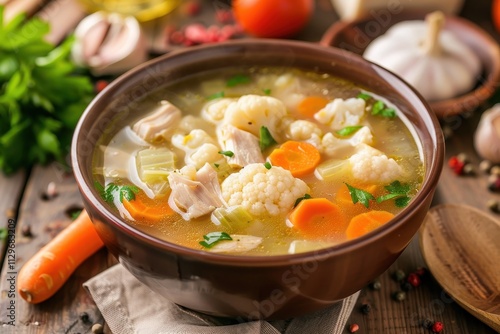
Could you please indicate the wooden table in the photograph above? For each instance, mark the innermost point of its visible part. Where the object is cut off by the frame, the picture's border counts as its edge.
(24, 204)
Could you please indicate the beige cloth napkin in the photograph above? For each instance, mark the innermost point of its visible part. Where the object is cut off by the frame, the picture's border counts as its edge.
(130, 307)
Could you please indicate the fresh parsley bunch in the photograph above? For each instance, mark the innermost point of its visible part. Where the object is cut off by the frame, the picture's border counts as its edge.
(41, 96)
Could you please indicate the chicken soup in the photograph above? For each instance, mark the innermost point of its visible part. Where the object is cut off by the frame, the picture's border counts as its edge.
(260, 161)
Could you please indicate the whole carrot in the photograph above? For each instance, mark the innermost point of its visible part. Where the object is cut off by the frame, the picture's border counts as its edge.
(51, 266)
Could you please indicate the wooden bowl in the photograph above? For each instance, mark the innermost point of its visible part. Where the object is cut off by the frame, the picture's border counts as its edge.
(355, 36)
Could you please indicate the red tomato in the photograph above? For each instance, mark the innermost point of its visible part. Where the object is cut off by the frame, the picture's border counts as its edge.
(496, 14)
(272, 18)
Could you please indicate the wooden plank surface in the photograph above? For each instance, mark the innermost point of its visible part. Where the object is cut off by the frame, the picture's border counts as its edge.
(63, 313)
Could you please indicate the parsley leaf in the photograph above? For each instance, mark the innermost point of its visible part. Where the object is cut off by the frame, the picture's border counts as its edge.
(268, 165)
(238, 79)
(227, 153)
(42, 96)
(348, 130)
(215, 96)
(397, 191)
(388, 113)
(364, 96)
(266, 139)
(300, 199)
(379, 108)
(212, 238)
(360, 195)
(109, 193)
(267, 91)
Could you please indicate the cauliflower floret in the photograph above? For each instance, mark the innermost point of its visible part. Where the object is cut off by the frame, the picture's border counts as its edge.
(332, 145)
(303, 130)
(214, 111)
(371, 165)
(199, 148)
(250, 112)
(263, 191)
(341, 113)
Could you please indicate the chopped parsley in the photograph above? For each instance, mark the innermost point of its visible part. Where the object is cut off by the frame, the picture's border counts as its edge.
(397, 191)
(379, 108)
(238, 79)
(266, 139)
(267, 91)
(364, 96)
(213, 238)
(227, 153)
(268, 165)
(300, 199)
(360, 195)
(215, 96)
(348, 130)
(112, 190)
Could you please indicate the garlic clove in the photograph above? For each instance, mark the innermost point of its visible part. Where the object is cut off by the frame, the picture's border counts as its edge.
(487, 135)
(109, 43)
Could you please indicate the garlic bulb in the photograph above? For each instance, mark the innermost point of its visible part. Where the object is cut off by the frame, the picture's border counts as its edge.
(109, 43)
(437, 63)
(487, 136)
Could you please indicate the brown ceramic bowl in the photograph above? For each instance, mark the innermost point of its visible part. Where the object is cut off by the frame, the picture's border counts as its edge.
(273, 287)
(354, 36)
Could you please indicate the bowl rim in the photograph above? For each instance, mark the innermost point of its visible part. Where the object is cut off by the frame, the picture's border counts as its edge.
(468, 102)
(433, 170)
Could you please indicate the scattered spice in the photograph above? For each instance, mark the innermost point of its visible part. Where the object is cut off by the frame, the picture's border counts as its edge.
(353, 328)
(493, 205)
(406, 286)
(485, 166)
(421, 271)
(427, 323)
(447, 132)
(495, 170)
(463, 157)
(469, 169)
(456, 165)
(494, 182)
(413, 279)
(437, 327)
(84, 316)
(26, 231)
(398, 275)
(399, 296)
(366, 308)
(375, 285)
(97, 329)
(100, 85)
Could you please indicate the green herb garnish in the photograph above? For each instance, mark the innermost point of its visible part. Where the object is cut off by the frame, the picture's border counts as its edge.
(268, 165)
(360, 195)
(227, 153)
(112, 190)
(238, 79)
(41, 95)
(214, 237)
(348, 130)
(3, 234)
(215, 96)
(267, 91)
(379, 108)
(300, 199)
(364, 96)
(266, 139)
(397, 191)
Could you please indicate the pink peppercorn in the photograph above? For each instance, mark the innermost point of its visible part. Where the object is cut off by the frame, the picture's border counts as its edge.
(456, 165)
(437, 327)
(100, 85)
(413, 279)
(353, 328)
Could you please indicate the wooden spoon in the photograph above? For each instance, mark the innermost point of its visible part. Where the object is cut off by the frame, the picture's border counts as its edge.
(461, 246)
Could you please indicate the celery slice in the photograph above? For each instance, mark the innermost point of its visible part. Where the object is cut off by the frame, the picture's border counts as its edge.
(231, 218)
(154, 165)
(330, 169)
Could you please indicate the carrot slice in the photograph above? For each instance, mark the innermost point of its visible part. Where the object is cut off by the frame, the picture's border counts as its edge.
(51, 266)
(299, 158)
(318, 218)
(367, 222)
(311, 105)
(146, 210)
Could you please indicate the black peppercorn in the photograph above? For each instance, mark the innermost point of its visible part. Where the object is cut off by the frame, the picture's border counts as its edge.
(366, 308)
(399, 275)
(399, 296)
(375, 285)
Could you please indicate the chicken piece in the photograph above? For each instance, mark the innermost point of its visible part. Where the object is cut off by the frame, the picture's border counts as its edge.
(195, 194)
(160, 124)
(243, 144)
